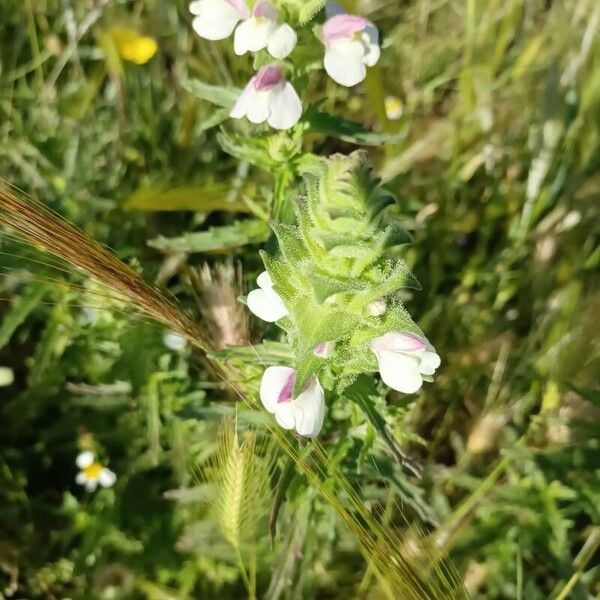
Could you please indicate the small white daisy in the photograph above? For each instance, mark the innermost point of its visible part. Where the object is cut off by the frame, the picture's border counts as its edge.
(92, 472)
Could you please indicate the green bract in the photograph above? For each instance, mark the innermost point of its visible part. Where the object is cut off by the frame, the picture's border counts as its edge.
(339, 259)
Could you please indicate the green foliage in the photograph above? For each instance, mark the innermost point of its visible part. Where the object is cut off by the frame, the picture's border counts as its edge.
(239, 233)
(493, 165)
(305, 10)
(334, 264)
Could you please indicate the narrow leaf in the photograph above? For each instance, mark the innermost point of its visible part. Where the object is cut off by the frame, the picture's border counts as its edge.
(201, 198)
(22, 307)
(216, 94)
(239, 233)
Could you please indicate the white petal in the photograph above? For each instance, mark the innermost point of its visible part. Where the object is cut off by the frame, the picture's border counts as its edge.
(264, 280)
(240, 108)
(309, 410)
(286, 107)
(370, 38)
(430, 361)
(216, 19)
(80, 479)
(273, 381)
(91, 485)
(107, 478)
(196, 6)
(282, 41)
(174, 341)
(267, 305)
(284, 415)
(84, 459)
(258, 107)
(252, 35)
(344, 62)
(400, 371)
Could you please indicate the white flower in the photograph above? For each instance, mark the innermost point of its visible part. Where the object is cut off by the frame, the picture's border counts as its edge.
(393, 108)
(265, 302)
(93, 473)
(305, 413)
(259, 28)
(216, 19)
(174, 341)
(403, 359)
(351, 45)
(269, 97)
(262, 30)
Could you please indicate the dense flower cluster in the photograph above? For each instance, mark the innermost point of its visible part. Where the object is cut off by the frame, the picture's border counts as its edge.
(403, 359)
(351, 45)
(332, 290)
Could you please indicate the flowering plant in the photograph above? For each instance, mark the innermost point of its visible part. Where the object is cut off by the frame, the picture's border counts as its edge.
(332, 286)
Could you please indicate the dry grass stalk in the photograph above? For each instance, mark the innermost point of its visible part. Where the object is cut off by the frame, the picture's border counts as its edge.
(39, 226)
(218, 288)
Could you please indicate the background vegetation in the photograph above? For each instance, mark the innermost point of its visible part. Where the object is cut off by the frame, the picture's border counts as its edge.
(495, 161)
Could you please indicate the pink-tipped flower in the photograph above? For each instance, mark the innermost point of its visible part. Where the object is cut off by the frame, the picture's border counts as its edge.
(351, 45)
(403, 359)
(265, 302)
(216, 19)
(263, 30)
(305, 413)
(259, 28)
(269, 97)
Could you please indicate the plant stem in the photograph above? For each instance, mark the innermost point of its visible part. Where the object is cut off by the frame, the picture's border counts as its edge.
(581, 560)
(250, 586)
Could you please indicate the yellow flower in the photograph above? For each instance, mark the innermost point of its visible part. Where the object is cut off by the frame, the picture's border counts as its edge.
(133, 47)
(393, 108)
(92, 472)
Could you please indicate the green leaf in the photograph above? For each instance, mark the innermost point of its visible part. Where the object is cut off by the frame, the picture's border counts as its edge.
(396, 236)
(218, 116)
(239, 233)
(216, 94)
(267, 353)
(363, 392)
(306, 368)
(320, 322)
(253, 150)
(290, 242)
(199, 198)
(326, 286)
(309, 9)
(304, 10)
(287, 281)
(21, 308)
(345, 129)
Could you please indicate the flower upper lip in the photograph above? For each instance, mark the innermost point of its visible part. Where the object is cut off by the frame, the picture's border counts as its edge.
(403, 359)
(343, 26)
(268, 77)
